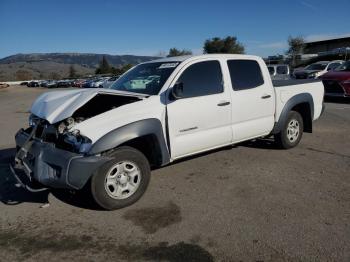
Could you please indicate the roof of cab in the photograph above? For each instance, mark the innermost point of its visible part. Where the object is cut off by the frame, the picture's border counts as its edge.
(194, 57)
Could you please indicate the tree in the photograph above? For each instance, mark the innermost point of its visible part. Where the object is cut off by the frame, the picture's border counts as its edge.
(72, 72)
(126, 67)
(161, 54)
(176, 52)
(296, 47)
(104, 67)
(228, 45)
(120, 70)
(55, 76)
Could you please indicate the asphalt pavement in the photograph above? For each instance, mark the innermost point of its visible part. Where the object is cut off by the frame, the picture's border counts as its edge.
(248, 202)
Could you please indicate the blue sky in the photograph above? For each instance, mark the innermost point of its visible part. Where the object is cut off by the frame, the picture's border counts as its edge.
(149, 27)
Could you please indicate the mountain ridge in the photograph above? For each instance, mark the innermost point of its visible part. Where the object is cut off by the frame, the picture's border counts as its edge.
(87, 59)
(24, 66)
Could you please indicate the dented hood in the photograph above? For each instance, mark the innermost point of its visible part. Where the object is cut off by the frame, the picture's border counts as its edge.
(58, 105)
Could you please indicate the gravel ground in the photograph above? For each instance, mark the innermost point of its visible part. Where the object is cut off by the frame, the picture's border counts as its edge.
(250, 202)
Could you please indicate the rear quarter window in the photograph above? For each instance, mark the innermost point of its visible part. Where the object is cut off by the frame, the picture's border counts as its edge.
(245, 74)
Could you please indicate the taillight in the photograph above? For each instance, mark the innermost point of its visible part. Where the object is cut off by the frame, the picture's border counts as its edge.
(346, 86)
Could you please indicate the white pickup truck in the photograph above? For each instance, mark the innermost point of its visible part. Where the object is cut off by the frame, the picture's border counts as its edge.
(107, 140)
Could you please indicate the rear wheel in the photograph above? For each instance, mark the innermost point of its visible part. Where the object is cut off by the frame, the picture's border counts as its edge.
(121, 181)
(291, 132)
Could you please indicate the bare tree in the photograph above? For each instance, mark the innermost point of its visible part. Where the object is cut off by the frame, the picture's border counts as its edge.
(296, 48)
(22, 75)
(176, 52)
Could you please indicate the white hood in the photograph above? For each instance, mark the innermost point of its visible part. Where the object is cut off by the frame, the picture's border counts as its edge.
(59, 105)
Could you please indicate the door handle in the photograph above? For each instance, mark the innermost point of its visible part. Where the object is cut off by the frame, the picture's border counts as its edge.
(224, 103)
(265, 96)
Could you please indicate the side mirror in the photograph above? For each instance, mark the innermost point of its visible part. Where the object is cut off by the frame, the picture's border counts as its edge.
(177, 90)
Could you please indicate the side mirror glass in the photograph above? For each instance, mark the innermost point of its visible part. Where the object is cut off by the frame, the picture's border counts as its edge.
(177, 90)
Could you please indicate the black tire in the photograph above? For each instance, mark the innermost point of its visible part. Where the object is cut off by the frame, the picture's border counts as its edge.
(282, 139)
(98, 189)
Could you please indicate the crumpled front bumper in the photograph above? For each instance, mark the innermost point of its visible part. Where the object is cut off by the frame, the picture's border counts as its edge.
(54, 167)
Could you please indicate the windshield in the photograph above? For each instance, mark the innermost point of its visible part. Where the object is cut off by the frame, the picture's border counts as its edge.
(316, 67)
(343, 67)
(145, 78)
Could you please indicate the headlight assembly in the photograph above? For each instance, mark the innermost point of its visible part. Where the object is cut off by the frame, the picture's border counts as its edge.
(33, 120)
(78, 142)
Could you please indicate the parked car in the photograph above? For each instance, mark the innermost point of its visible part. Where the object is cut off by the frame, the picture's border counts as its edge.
(64, 83)
(112, 137)
(4, 85)
(78, 83)
(337, 82)
(33, 84)
(24, 83)
(49, 84)
(87, 83)
(317, 69)
(109, 81)
(279, 71)
(98, 83)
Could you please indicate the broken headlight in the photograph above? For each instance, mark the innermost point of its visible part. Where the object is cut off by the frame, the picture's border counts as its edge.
(78, 142)
(33, 120)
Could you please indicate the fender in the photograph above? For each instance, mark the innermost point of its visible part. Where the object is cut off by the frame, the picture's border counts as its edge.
(293, 101)
(121, 135)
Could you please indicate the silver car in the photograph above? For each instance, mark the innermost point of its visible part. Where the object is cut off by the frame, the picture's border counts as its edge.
(279, 71)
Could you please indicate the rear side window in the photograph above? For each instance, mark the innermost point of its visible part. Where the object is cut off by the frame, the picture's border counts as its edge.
(245, 74)
(201, 79)
(282, 70)
(333, 66)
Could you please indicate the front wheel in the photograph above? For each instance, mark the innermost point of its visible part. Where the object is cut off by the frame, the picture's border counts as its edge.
(121, 181)
(291, 132)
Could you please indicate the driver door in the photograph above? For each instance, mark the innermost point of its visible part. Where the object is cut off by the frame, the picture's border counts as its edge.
(201, 118)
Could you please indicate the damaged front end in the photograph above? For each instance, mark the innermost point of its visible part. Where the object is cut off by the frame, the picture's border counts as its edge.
(52, 163)
(60, 134)
(54, 154)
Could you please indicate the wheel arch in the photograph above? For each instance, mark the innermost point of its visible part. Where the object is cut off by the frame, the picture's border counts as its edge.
(145, 135)
(303, 104)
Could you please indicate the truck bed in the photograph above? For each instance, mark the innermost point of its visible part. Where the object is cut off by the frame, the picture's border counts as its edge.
(290, 82)
(286, 89)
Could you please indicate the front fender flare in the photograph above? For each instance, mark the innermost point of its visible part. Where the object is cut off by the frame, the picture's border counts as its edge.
(121, 135)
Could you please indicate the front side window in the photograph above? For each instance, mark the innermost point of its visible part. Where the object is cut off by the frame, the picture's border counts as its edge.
(343, 67)
(245, 74)
(271, 70)
(200, 79)
(145, 78)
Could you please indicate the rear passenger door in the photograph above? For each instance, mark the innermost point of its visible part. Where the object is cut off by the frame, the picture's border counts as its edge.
(253, 103)
(201, 119)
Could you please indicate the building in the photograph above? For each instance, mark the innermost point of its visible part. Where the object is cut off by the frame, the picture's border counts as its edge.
(327, 45)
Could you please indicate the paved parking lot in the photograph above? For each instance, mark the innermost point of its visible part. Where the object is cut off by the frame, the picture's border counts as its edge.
(250, 202)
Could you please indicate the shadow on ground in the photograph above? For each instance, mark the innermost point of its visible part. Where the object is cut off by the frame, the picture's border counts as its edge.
(337, 100)
(12, 194)
(261, 143)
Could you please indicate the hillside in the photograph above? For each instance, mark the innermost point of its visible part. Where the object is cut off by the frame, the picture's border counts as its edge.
(48, 65)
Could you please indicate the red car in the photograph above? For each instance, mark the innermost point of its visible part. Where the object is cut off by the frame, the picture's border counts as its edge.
(337, 82)
(78, 83)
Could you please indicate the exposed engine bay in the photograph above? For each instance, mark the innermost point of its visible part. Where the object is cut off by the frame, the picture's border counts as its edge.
(61, 133)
